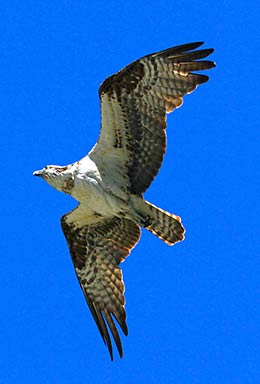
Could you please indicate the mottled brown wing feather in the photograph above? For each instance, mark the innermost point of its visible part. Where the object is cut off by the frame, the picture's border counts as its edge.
(97, 247)
(134, 103)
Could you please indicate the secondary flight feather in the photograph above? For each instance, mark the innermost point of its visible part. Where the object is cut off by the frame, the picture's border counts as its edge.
(110, 181)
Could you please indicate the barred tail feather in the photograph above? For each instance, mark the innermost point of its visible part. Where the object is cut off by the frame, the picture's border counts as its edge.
(164, 225)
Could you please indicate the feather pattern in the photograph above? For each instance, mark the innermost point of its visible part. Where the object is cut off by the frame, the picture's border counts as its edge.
(134, 103)
(97, 247)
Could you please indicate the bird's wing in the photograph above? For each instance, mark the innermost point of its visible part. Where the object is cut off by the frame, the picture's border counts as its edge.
(97, 246)
(134, 103)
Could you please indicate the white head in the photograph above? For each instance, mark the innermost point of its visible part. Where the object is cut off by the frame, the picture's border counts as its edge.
(58, 177)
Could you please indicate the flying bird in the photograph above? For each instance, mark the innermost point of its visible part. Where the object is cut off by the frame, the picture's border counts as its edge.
(110, 181)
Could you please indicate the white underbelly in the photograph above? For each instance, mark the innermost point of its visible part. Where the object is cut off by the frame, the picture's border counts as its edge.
(89, 192)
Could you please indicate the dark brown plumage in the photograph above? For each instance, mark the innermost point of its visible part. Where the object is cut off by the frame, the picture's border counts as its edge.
(96, 251)
(146, 90)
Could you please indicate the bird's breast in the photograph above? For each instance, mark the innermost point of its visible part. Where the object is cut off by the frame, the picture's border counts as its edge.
(92, 193)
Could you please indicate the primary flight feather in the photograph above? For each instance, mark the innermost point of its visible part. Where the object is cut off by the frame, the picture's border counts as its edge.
(110, 180)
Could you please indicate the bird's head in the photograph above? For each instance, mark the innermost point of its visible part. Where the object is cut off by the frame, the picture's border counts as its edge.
(58, 177)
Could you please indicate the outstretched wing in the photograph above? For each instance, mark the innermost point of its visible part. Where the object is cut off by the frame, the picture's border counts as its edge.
(134, 103)
(97, 246)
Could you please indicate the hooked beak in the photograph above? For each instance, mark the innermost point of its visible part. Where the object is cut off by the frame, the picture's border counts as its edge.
(38, 173)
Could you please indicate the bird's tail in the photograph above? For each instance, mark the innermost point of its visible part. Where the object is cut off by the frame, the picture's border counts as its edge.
(161, 223)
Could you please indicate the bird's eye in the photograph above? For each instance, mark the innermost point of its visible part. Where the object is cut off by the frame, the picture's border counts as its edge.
(61, 169)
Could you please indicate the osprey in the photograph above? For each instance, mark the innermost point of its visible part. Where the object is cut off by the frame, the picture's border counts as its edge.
(109, 182)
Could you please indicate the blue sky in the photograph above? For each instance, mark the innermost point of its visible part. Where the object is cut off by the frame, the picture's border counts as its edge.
(191, 309)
